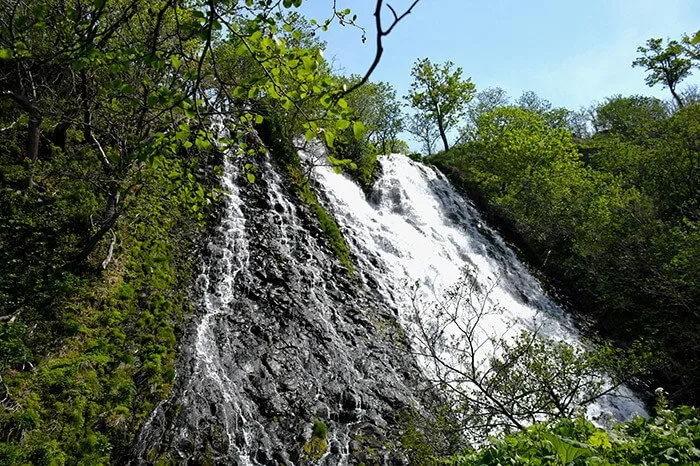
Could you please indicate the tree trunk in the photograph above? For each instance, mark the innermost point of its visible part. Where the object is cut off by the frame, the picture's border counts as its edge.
(443, 136)
(33, 129)
(676, 96)
(32, 148)
(111, 215)
(92, 242)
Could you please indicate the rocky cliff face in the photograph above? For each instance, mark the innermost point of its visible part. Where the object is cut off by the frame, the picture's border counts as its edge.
(291, 359)
(285, 345)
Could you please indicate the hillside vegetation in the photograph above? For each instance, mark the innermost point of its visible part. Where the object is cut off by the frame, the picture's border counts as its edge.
(115, 118)
(612, 218)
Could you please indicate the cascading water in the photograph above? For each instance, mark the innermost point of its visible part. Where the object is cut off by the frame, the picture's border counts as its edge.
(284, 337)
(416, 228)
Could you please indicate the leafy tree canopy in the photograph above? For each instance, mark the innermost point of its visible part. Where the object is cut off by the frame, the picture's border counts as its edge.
(441, 93)
(667, 65)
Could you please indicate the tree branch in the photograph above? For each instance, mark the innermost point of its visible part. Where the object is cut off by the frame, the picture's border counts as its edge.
(380, 34)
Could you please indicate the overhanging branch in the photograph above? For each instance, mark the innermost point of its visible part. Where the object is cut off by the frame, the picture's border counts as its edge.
(381, 33)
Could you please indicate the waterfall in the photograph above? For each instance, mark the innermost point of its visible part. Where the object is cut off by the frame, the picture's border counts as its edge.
(416, 228)
(283, 337)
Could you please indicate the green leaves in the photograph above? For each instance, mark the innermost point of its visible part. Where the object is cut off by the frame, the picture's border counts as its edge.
(665, 439)
(358, 128)
(249, 170)
(329, 137)
(440, 92)
(339, 164)
(667, 65)
(566, 450)
(696, 38)
(239, 92)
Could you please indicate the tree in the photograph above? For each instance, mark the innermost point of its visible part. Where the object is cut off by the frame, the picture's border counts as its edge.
(690, 95)
(555, 117)
(692, 46)
(483, 102)
(667, 65)
(425, 130)
(625, 116)
(500, 382)
(440, 93)
(86, 78)
(376, 105)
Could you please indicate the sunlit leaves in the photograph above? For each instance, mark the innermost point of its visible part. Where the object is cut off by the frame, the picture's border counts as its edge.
(665, 64)
(358, 129)
(440, 92)
(339, 164)
(249, 170)
(329, 137)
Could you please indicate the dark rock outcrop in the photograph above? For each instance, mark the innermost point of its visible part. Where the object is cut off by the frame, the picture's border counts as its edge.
(283, 337)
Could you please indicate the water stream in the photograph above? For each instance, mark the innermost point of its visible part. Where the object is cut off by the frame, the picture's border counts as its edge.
(416, 232)
(284, 337)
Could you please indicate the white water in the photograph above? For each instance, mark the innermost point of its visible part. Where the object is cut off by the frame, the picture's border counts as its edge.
(231, 258)
(419, 230)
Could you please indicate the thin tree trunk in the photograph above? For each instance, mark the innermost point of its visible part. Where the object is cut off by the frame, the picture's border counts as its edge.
(443, 136)
(32, 148)
(676, 96)
(33, 129)
(92, 242)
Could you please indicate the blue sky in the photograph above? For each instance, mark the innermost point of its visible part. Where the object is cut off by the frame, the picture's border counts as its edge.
(572, 53)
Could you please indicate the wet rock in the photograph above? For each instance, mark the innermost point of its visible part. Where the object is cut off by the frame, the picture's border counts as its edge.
(283, 337)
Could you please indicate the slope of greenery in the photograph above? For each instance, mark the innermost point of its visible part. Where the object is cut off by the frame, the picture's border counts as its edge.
(614, 218)
(111, 113)
(670, 437)
(90, 355)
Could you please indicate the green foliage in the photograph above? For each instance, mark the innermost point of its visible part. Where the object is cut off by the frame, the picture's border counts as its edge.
(691, 45)
(627, 116)
(614, 218)
(669, 438)
(326, 222)
(318, 443)
(376, 106)
(667, 65)
(366, 170)
(553, 117)
(377, 121)
(440, 93)
(434, 432)
(97, 361)
(424, 130)
(109, 111)
(506, 383)
(320, 429)
(483, 102)
(13, 350)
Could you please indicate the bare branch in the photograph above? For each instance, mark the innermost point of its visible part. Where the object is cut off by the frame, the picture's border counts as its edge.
(380, 34)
